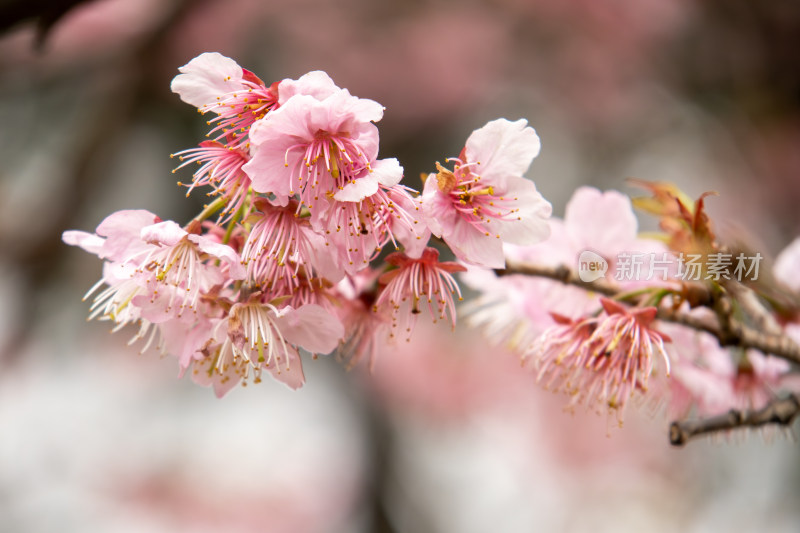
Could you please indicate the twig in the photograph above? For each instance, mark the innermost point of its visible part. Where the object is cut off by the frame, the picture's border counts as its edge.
(782, 411)
(731, 333)
(562, 274)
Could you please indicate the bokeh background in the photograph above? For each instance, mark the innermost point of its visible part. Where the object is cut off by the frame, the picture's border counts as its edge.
(447, 434)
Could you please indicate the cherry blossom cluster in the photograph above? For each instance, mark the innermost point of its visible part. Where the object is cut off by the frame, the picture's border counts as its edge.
(310, 241)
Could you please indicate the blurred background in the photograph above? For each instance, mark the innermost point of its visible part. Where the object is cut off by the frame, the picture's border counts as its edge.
(447, 434)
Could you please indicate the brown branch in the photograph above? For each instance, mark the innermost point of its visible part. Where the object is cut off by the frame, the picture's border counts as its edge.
(781, 411)
(562, 274)
(731, 333)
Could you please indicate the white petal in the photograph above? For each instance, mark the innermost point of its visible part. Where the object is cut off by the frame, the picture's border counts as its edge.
(206, 78)
(88, 241)
(360, 188)
(787, 266)
(168, 233)
(503, 148)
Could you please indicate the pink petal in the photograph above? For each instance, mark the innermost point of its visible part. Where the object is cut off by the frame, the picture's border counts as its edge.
(556, 250)
(438, 211)
(603, 221)
(288, 369)
(222, 383)
(288, 125)
(767, 368)
(185, 341)
(414, 239)
(531, 224)
(123, 232)
(126, 222)
(315, 83)
(474, 246)
(235, 268)
(344, 105)
(322, 259)
(311, 327)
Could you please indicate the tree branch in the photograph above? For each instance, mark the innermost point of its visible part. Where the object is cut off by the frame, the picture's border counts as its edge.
(562, 274)
(732, 333)
(781, 411)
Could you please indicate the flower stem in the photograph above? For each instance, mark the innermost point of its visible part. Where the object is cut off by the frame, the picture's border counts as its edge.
(210, 209)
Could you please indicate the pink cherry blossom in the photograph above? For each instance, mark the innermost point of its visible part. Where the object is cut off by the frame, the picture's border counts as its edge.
(315, 148)
(366, 326)
(127, 297)
(117, 240)
(601, 361)
(215, 83)
(423, 280)
(484, 201)
(256, 336)
(175, 263)
(156, 269)
(280, 244)
(220, 168)
(359, 230)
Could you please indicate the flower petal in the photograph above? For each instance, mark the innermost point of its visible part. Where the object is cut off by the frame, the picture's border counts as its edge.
(787, 265)
(316, 83)
(502, 148)
(602, 221)
(122, 230)
(206, 78)
(168, 233)
(360, 188)
(475, 247)
(88, 241)
(311, 327)
(529, 225)
(235, 268)
(288, 369)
